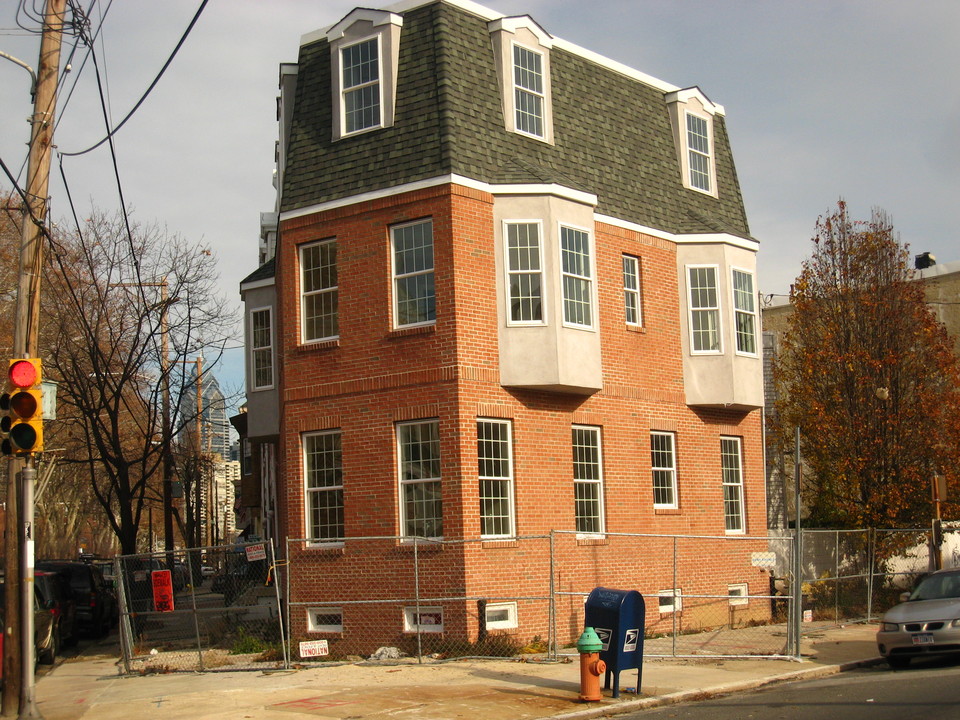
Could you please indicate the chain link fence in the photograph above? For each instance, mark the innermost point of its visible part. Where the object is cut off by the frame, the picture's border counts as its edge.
(524, 596)
(856, 575)
(203, 609)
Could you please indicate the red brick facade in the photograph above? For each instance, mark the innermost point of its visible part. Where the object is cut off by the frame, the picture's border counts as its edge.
(374, 376)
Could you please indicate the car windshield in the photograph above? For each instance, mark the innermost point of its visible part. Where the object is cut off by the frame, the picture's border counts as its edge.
(936, 587)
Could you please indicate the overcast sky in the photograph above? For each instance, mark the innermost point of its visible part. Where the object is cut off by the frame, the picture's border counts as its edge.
(856, 99)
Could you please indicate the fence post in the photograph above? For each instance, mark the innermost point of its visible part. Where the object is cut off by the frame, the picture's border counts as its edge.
(871, 556)
(289, 634)
(276, 586)
(674, 601)
(416, 593)
(552, 650)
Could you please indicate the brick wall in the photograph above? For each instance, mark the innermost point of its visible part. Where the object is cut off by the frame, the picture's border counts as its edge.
(374, 376)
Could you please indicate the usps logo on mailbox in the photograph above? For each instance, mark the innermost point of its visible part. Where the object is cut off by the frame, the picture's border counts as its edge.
(314, 648)
(604, 634)
(630, 640)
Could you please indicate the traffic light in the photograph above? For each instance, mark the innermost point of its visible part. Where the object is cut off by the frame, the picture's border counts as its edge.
(22, 407)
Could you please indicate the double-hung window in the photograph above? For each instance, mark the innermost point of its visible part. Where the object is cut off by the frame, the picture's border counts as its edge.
(631, 290)
(731, 462)
(664, 467)
(413, 290)
(495, 470)
(360, 69)
(587, 480)
(704, 309)
(528, 91)
(421, 506)
(319, 293)
(323, 471)
(745, 312)
(261, 348)
(525, 272)
(698, 152)
(577, 277)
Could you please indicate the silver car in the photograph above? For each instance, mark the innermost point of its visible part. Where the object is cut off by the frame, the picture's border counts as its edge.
(926, 623)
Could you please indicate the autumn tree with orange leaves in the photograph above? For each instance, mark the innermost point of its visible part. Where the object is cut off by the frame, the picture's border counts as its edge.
(871, 379)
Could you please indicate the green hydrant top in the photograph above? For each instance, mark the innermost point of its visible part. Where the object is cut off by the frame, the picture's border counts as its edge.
(589, 642)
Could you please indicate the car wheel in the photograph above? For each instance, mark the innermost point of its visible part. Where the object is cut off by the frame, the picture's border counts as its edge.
(49, 656)
(898, 662)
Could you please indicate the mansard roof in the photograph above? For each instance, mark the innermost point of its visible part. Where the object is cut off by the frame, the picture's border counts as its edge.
(612, 131)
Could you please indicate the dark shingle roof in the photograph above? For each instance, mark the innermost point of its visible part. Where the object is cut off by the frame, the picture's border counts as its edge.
(267, 270)
(612, 133)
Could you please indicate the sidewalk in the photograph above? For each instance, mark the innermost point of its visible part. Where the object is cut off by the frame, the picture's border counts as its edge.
(89, 687)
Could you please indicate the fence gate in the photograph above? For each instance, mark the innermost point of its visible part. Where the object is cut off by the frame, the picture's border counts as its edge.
(202, 609)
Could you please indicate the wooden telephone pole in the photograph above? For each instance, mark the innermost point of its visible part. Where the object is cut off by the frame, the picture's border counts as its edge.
(18, 561)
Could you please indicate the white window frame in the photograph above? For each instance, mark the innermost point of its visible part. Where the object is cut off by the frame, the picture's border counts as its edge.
(511, 272)
(746, 314)
(505, 479)
(312, 494)
(519, 90)
(378, 83)
(406, 482)
(510, 623)
(429, 272)
(696, 310)
(672, 470)
(694, 152)
(333, 290)
(734, 509)
(259, 350)
(413, 617)
(676, 601)
(582, 482)
(577, 276)
(632, 291)
(738, 594)
(314, 615)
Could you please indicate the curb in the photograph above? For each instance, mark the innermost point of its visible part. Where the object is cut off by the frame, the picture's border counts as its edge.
(716, 691)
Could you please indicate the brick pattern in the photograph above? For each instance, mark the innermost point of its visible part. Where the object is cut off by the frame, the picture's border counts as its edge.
(373, 377)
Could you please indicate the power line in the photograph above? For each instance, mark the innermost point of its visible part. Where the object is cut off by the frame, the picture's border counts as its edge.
(153, 84)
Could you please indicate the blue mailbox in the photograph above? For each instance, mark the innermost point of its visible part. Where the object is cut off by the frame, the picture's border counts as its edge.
(618, 618)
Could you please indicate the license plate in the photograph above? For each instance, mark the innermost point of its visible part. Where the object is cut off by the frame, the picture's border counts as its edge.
(924, 639)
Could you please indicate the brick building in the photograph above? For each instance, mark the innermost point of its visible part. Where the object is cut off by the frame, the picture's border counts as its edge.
(508, 288)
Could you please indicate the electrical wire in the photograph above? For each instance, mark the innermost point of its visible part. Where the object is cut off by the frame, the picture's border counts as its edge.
(153, 84)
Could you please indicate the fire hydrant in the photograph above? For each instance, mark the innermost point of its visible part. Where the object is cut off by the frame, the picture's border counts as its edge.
(591, 666)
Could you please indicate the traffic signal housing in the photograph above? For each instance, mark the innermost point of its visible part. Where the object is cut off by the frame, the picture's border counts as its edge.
(22, 408)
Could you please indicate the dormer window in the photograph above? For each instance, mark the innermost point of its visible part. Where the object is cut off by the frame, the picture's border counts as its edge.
(522, 54)
(528, 90)
(698, 152)
(364, 52)
(361, 85)
(692, 115)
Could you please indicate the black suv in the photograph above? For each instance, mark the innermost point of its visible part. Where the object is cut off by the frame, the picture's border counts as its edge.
(96, 603)
(54, 615)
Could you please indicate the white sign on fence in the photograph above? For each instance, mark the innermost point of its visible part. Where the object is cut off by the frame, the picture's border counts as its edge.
(256, 552)
(763, 559)
(314, 648)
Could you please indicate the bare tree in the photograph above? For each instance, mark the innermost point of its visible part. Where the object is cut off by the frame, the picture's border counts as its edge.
(107, 328)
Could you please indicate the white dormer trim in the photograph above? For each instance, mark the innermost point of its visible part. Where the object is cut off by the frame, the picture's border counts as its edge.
(377, 18)
(687, 94)
(512, 24)
(522, 34)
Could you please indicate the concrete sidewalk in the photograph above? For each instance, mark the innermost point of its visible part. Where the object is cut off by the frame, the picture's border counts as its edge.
(89, 686)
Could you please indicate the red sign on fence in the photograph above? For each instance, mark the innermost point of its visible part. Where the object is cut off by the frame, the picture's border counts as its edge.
(162, 590)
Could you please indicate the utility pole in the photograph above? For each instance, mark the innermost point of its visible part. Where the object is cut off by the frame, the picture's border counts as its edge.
(18, 563)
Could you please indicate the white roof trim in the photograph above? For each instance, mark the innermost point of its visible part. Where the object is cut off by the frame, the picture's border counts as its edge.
(512, 189)
(377, 17)
(491, 15)
(525, 189)
(690, 239)
(255, 284)
(686, 94)
(514, 23)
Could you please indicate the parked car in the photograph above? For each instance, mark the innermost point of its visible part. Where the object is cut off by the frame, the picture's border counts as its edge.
(238, 576)
(54, 617)
(96, 601)
(926, 623)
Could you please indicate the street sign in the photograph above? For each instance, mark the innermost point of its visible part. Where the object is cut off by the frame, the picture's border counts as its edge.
(162, 590)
